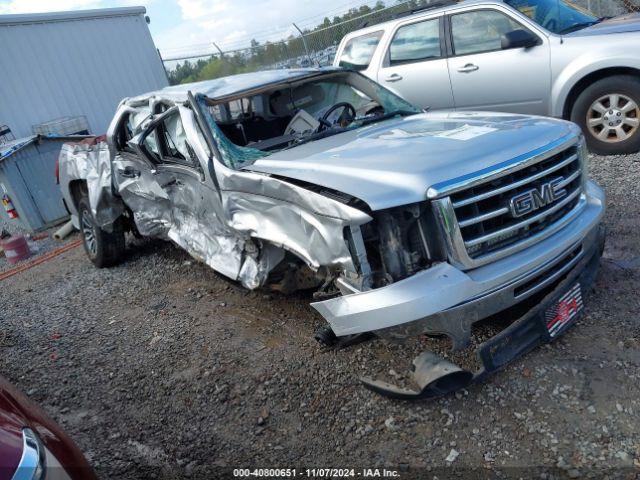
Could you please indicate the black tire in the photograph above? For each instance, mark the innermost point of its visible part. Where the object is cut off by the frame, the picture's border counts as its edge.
(103, 248)
(626, 87)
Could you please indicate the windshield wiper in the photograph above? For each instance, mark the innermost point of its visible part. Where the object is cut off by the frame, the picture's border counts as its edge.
(386, 116)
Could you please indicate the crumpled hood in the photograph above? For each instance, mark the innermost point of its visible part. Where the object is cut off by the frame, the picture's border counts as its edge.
(396, 161)
(622, 24)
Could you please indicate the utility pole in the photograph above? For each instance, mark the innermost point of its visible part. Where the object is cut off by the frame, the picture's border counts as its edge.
(304, 42)
(218, 48)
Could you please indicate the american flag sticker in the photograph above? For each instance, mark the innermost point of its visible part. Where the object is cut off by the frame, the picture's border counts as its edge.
(564, 310)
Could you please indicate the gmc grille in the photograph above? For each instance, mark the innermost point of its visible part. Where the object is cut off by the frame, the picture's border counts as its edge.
(487, 222)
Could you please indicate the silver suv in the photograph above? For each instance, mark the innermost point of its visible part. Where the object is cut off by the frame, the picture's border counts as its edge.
(542, 57)
(402, 222)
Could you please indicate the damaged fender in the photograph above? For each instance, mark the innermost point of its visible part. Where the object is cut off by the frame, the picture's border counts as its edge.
(305, 223)
(92, 163)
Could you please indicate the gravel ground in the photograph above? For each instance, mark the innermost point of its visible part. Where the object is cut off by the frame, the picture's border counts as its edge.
(9, 225)
(160, 368)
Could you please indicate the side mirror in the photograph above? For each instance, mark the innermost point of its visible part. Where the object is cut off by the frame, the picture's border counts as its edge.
(518, 39)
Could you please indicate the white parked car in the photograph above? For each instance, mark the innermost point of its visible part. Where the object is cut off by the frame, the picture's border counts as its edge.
(544, 57)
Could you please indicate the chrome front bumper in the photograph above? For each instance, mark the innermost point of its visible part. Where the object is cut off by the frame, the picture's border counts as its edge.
(444, 299)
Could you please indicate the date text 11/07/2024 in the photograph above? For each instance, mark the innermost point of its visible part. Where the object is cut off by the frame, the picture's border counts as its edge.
(316, 473)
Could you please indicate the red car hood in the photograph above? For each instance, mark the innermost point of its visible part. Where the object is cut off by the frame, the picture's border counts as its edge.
(17, 412)
(11, 424)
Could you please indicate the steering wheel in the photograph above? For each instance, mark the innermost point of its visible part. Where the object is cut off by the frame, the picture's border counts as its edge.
(346, 106)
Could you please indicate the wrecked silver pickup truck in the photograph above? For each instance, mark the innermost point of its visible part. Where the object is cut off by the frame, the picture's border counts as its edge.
(404, 222)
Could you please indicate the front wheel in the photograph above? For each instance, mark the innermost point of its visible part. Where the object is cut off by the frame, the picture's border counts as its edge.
(103, 248)
(608, 111)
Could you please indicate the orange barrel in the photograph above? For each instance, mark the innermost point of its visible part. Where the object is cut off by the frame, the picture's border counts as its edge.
(15, 248)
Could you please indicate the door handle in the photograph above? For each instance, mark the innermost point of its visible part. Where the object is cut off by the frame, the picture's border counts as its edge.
(394, 77)
(468, 68)
(129, 172)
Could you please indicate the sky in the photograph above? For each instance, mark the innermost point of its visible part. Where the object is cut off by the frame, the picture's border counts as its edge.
(190, 26)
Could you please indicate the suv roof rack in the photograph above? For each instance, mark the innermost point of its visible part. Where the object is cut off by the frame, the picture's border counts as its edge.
(430, 6)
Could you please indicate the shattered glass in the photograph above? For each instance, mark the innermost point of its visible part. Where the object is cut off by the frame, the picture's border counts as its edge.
(233, 156)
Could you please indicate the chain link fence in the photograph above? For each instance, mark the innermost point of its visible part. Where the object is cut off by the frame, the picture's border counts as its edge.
(317, 45)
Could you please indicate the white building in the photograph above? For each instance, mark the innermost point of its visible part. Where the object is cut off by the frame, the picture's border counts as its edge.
(74, 64)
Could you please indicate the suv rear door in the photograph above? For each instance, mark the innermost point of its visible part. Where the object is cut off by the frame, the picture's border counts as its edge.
(415, 66)
(485, 77)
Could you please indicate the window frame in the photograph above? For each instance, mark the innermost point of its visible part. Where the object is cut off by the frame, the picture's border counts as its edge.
(441, 36)
(156, 126)
(449, 31)
(122, 142)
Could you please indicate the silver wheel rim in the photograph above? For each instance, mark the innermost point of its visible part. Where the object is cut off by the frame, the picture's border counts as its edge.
(613, 118)
(89, 234)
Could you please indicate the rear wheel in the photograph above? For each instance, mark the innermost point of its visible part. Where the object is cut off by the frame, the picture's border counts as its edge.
(103, 248)
(608, 111)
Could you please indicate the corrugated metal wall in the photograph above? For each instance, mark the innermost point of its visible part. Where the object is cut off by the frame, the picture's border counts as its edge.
(74, 67)
(29, 178)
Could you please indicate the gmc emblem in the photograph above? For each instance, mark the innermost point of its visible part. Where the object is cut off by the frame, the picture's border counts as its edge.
(533, 199)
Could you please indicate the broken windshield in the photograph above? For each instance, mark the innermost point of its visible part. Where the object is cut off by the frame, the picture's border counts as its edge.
(249, 127)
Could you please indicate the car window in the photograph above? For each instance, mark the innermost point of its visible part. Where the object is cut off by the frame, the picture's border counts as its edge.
(151, 145)
(358, 51)
(129, 127)
(167, 142)
(125, 133)
(174, 140)
(415, 42)
(316, 98)
(480, 31)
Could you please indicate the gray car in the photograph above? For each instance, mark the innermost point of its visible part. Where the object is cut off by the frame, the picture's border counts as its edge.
(542, 57)
(401, 222)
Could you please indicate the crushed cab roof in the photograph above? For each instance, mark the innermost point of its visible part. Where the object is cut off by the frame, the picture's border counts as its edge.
(232, 84)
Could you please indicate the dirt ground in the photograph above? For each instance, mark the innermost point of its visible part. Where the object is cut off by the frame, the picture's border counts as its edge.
(160, 368)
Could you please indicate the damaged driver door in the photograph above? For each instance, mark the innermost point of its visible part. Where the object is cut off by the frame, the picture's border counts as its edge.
(187, 208)
(136, 173)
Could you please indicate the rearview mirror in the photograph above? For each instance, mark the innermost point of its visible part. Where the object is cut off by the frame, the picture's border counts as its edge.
(518, 39)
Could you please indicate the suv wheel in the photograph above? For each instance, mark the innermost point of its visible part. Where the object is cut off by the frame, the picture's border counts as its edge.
(608, 111)
(103, 248)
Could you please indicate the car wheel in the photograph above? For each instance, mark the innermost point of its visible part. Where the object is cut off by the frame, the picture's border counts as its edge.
(103, 248)
(608, 111)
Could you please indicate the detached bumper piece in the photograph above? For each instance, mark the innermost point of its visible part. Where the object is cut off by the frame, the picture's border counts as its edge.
(433, 374)
(556, 312)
